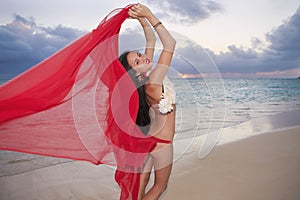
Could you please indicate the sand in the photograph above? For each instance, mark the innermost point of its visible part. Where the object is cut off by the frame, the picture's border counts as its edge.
(264, 166)
(259, 159)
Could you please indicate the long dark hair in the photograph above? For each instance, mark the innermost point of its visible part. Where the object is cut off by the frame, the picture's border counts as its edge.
(143, 119)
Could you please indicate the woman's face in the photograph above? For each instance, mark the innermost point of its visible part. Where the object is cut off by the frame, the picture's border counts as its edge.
(139, 62)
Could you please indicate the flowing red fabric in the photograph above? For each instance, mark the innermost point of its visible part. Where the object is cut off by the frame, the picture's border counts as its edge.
(79, 104)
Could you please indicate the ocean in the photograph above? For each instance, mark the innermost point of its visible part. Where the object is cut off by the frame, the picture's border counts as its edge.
(209, 104)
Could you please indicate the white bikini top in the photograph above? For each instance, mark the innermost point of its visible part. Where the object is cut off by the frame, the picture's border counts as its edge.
(168, 97)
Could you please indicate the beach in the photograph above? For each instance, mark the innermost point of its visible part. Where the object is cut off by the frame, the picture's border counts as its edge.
(258, 159)
(263, 166)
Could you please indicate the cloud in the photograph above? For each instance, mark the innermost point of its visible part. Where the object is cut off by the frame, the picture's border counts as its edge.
(191, 58)
(131, 39)
(187, 12)
(285, 40)
(257, 44)
(281, 54)
(23, 43)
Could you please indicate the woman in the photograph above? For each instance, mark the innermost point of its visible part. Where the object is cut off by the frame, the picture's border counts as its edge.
(156, 116)
(78, 82)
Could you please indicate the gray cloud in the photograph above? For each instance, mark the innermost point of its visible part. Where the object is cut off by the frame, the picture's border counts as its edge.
(193, 59)
(285, 40)
(283, 52)
(187, 12)
(131, 39)
(256, 43)
(23, 44)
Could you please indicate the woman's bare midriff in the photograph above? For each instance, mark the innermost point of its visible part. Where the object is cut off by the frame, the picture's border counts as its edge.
(162, 125)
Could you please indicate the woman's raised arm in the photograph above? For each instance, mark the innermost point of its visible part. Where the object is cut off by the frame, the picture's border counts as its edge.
(159, 72)
(149, 36)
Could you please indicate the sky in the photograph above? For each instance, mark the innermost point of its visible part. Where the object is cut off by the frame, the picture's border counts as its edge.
(242, 38)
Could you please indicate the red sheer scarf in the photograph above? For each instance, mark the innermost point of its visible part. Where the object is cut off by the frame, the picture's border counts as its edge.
(79, 104)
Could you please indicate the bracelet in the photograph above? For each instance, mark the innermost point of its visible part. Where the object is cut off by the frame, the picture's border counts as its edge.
(156, 25)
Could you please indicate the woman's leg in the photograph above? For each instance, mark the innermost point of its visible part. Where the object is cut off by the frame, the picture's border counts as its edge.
(145, 176)
(162, 160)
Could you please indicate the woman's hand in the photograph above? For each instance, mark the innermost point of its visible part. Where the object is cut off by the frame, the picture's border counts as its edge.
(139, 11)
